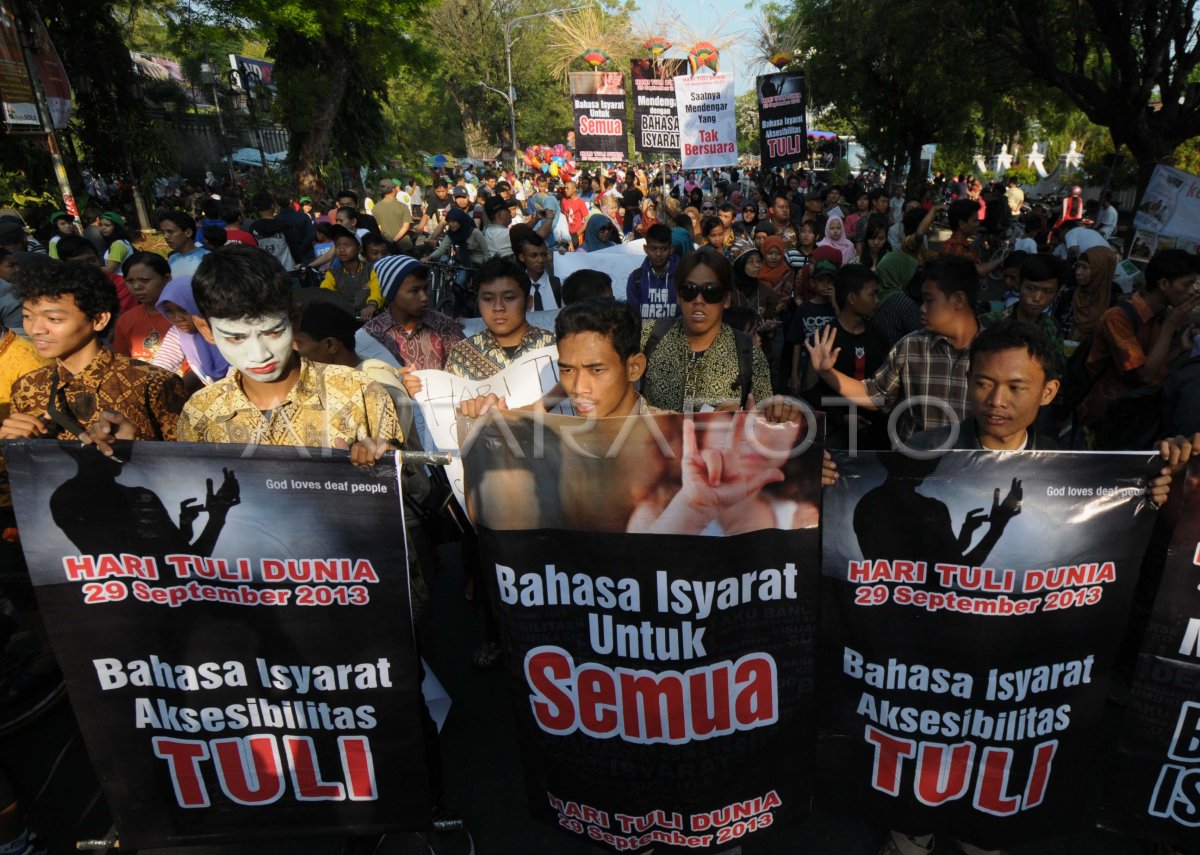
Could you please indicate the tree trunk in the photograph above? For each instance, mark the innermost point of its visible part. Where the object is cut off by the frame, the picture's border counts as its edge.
(475, 138)
(314, 150)
(916, 178)
(1148, 155)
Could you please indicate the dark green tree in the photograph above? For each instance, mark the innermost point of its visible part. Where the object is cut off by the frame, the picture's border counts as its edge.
(332, 65)
(1129, 65)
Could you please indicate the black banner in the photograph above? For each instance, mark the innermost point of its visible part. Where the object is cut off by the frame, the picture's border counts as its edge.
(782, 128)
(655, 109)
(972, 606)
(1154, 791)
(598, 102)
(655, 581)
(234, 628)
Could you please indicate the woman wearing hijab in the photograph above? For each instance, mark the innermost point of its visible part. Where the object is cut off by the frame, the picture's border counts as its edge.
(647, 217)
(898, 313)
(775, 272)
(183, 342)
(835, 236)
(560, 233)
(1094, 292)
(744, 226)
(470, 250)
(600, 233)
(464, 237)
(754, 300)
(682, 243)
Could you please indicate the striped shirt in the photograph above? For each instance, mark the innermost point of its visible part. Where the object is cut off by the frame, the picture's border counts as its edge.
(925, 369)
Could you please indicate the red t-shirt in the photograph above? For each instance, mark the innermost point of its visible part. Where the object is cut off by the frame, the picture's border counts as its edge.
(576, 212)
(239, 236)
(139, 333)
(125, 299)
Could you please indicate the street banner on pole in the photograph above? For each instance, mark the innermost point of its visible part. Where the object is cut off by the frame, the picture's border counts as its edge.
(658, 632)
(655, 111)
(598, 103)
(234, 627)
(707, 123)
(972, 608)
(16, 91)
(782, 129)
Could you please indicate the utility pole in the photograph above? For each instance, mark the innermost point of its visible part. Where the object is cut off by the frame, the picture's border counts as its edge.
(208, 71)
(26, 27)
(247, 85)
(512, 94)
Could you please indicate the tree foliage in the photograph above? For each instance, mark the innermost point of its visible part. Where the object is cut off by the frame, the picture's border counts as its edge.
(876, 65)
(1129, 65)
(333, 62)
(745, 110)
(543, 110)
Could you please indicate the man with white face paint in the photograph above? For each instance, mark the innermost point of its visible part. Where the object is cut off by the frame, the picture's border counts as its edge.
(274, 396)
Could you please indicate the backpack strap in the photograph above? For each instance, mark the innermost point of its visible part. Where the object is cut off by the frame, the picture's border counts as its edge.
(556, 289)
(1135, 320)
(661, 327)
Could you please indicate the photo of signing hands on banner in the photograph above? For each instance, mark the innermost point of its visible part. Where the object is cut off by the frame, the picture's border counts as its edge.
(655, 590)
(712, 474)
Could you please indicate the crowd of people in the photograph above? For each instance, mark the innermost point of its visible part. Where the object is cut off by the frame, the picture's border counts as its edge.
(952, 318)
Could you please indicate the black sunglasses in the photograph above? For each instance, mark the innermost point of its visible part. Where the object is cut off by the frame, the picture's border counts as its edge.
(709, 293)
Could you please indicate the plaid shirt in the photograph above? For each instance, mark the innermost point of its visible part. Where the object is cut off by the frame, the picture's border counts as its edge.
(923, 365)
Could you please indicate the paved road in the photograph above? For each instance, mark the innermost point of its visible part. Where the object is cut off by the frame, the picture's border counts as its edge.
(483, 774)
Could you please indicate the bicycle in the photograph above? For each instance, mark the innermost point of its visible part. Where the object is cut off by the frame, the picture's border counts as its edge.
(450, 290)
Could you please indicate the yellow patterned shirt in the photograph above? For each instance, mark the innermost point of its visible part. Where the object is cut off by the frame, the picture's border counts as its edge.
(328, 402)
(481, 356)
(17, 358)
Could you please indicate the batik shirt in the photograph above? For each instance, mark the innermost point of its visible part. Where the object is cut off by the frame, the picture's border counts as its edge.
(425, 346)
(149, 397)
(680, 379)
(481, 356)
(328, 402)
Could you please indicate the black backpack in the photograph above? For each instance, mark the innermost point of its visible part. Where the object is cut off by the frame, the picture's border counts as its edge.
(745, 355)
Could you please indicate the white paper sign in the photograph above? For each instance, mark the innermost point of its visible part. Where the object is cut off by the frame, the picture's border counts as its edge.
(707, 125)
(525, 381)
(617, 261)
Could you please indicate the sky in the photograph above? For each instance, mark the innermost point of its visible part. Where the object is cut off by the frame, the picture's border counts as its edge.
(704, 16)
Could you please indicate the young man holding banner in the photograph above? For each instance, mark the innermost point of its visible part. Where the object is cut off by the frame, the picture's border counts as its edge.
(276, 396)
(1014, 371)
(926, 372)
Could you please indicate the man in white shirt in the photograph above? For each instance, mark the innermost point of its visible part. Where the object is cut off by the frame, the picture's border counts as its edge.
(896, 204)
(500, 217)
(1106, 219)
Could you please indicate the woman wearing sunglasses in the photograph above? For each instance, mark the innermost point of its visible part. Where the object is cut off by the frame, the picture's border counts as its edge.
(696, 360)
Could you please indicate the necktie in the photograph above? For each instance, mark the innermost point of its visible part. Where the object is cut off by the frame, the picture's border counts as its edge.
(537, 297)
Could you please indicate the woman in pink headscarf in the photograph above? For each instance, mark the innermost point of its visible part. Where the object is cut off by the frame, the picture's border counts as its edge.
(835, 236)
